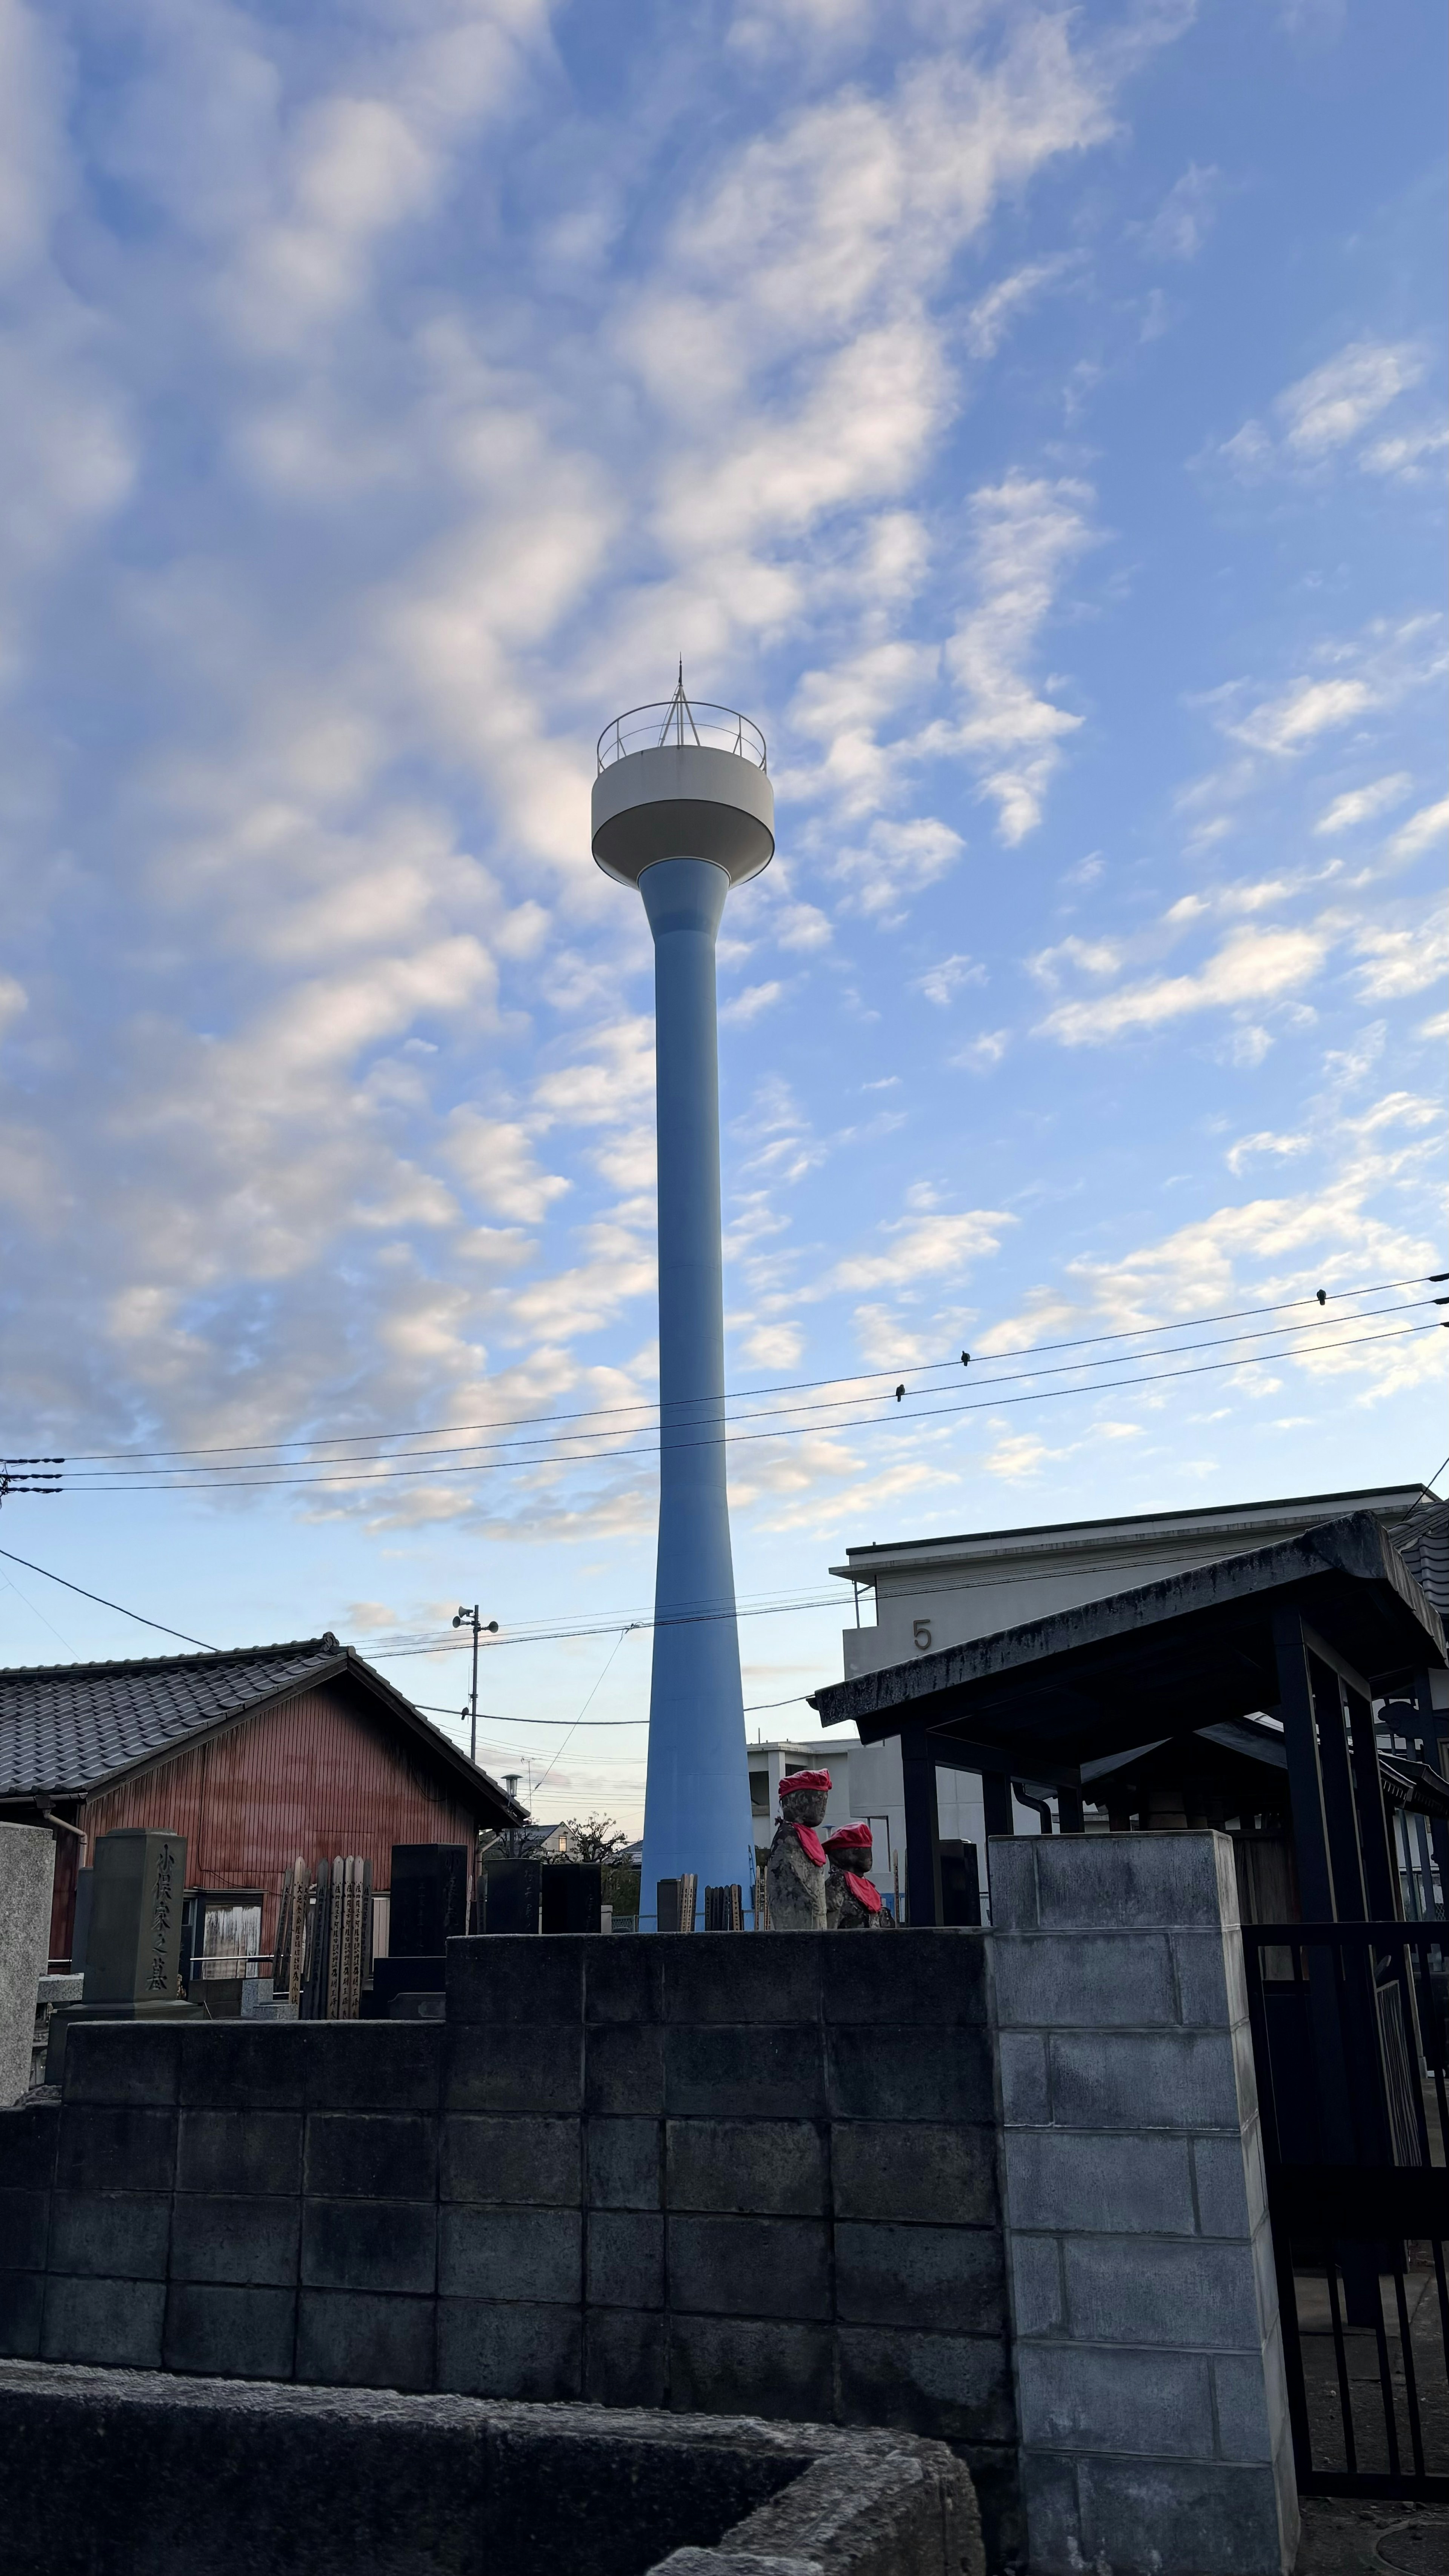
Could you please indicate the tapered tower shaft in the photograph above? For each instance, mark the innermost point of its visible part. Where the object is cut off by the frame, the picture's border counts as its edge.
(683, 809)
(697, 1804)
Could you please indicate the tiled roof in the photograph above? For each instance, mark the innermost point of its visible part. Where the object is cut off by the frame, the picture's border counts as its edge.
(64, 1727)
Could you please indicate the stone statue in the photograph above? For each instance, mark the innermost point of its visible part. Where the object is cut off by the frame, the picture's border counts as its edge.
(852, 1902)
(795, 1872)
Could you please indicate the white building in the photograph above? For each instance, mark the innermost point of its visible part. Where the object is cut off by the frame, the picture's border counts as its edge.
(933, 1592)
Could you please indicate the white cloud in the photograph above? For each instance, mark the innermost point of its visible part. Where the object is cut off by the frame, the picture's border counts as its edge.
(1403, 961)
(1265, 1142)
(896, 862)
(1364, 804)
(983, 1053)
(1406, 455)
(993, 314)
(1024, 535)
(1185, 217)
(1422, 831)
(1352, 679)
(1252, 966)
(747, 1006)
(1330, 409)
(946, 980)
(933, 1247)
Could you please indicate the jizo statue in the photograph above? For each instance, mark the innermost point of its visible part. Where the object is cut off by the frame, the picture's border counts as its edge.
(852, 1901)
(795, 1873)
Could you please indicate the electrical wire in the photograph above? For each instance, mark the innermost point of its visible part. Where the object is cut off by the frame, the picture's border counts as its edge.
(119, 1606)
(859, 1377)
(242, 1470)
(244, 1480)
(536, 1785)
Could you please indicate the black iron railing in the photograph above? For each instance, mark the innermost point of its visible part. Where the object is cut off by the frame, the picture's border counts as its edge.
(1350, 2029)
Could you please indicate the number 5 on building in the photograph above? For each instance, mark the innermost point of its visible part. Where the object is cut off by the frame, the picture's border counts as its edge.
(922, 1634)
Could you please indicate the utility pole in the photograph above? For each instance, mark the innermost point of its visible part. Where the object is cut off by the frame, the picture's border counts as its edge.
(481, 1628)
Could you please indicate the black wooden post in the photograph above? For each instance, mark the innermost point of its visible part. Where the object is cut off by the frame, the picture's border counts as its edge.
(1381, 1877)
(1339, 1803)
(923, 1832)
(1305, 1781)
(1435, 1723)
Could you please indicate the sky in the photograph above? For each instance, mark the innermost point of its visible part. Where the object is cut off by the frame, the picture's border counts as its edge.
(1034, 420)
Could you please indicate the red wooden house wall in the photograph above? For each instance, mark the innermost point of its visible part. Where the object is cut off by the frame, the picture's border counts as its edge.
(316, 1775)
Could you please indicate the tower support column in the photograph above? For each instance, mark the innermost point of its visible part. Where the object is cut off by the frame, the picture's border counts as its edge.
(697, 1803)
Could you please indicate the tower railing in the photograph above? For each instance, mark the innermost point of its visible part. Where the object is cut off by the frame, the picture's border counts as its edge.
(683, 721)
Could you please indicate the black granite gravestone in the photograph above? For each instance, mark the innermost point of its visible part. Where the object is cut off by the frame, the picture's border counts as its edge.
(429, 1898)
(572, 1893)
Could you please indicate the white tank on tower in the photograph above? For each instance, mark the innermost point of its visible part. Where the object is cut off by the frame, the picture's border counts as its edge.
(683, 809)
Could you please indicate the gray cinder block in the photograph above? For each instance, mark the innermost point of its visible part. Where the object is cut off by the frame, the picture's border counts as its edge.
(624, 2358)
(117, 2323)
(233, 2151)
(1151, 2080)
(893, 2071)
(511, 2160)
(240, 2242)
(1141, 2291)
(714, 2071)
(356, 2339)
(533, 2254)
(1097, 1982)
(123, 2063)
(626, 2164)
(372, 2154)
(106, 2149)
(516, 2351)
(749, 2267)
(772, 2168)
(369, 2245)
(624, 2266)
(121, 2236)
(27, 1874)
(1079, 2179)
(746, 2366)
(1082, 2397)
(952, 2388)
(937, 2172)
(230, 2333)
(942, 2279)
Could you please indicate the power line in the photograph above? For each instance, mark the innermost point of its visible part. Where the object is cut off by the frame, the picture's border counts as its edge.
(67, 1586)
(247, 1470)
(858, 1377)
(244, 1481)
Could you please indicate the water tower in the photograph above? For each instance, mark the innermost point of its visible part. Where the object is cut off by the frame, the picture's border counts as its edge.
(683, 810)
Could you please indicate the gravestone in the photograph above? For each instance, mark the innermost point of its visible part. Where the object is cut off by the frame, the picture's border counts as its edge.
(133, 1950)
(429, 1898)
(572, 1894)
(27, 1870)
(512, 1896)
(133, 1947)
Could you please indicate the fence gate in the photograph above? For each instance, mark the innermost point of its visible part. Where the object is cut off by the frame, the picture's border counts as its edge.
(1349, 2027)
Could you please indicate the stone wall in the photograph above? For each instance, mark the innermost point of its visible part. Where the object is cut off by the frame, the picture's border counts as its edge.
(737, 2176)
(111, 2470)
(1150, 2389)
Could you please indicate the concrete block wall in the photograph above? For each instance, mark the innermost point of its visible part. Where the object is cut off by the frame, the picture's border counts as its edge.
(1150, 2388)
(734, 2176)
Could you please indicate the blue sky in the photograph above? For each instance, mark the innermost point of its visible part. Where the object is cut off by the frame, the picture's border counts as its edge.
(1035, 421)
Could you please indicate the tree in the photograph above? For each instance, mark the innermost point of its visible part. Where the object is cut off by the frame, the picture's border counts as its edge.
(596, 1838)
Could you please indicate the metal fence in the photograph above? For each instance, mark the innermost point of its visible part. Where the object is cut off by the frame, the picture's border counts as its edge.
(1349, 2026)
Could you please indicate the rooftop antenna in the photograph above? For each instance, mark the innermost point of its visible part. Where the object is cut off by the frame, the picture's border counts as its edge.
(684, 810)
